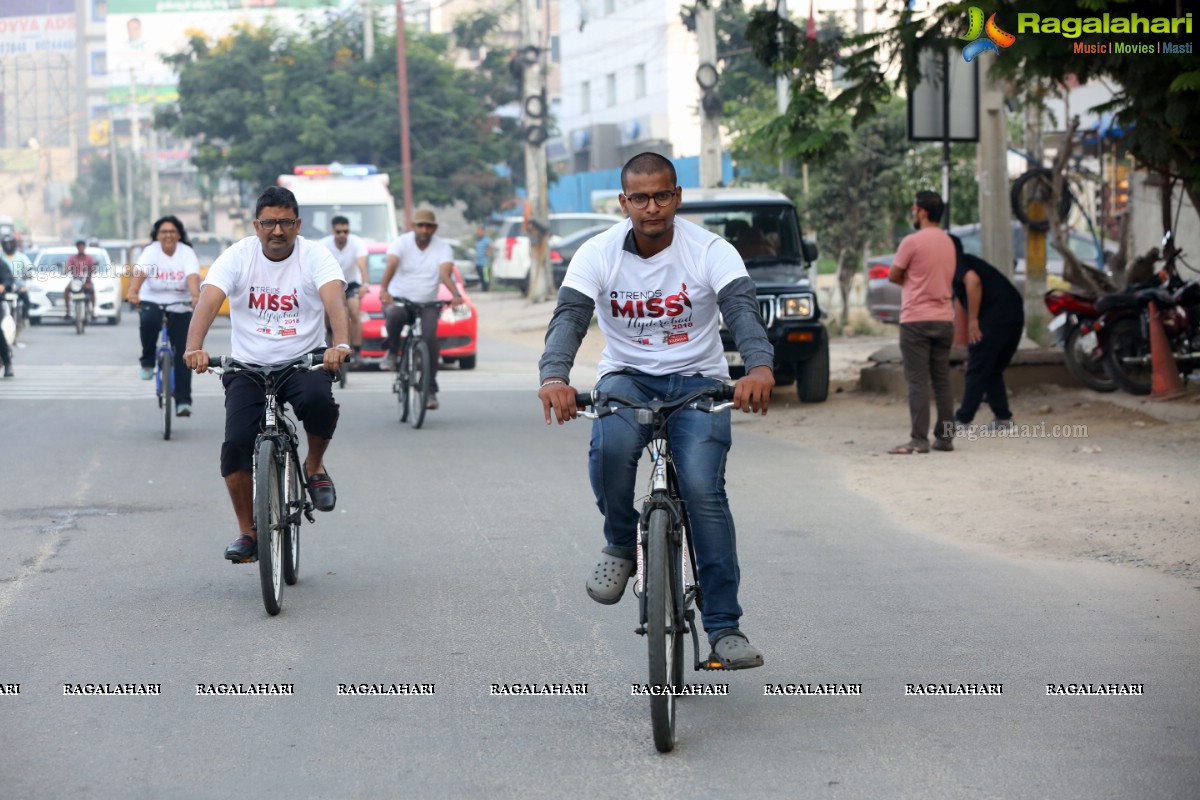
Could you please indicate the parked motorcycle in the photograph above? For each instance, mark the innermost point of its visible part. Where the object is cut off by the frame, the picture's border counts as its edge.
(1123, 328)
(1075, 315)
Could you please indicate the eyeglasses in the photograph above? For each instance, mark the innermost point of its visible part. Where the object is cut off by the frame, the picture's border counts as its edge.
(269, 224)
(168, 232)
(425, 225)
(641, 200)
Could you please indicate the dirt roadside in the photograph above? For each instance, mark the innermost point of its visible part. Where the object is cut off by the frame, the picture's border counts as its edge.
(1087, 477)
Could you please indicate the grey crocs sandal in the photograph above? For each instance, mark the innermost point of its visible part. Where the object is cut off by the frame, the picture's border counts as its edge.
(607, 582)
(732, 650)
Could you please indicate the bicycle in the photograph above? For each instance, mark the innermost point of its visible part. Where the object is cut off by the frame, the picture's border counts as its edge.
(413, 376)
(164, 369)
(280, 482)
(667, 578)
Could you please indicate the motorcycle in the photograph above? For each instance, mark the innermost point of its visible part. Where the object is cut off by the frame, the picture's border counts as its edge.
(1075, 315)
(1123, 328)
(79, 304)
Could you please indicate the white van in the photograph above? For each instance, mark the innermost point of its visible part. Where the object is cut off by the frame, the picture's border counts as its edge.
(357, 192)
(510, 253)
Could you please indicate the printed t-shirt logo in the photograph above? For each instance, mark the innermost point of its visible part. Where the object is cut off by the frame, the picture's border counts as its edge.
(272, 300)
(650, 305)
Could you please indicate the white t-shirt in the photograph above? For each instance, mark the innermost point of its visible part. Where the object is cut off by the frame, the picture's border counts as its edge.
(659, 315)
(275, 308)
(348, 256)
(166, 276)
(419, 272)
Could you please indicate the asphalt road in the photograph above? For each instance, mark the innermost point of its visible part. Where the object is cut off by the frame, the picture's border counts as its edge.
(456, 557)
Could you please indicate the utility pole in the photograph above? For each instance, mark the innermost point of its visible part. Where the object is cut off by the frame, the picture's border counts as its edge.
(708, 77)
(402, 85)
(368, 30)
(154, 191)
(116, 179)
(783, 85)
(533, 58)
(134, 150)
(996, 243)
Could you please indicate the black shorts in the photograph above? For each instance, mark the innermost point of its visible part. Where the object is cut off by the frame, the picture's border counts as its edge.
(310, 394)
(352, 290)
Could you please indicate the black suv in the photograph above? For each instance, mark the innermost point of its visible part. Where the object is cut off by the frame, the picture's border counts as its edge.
(764, 228)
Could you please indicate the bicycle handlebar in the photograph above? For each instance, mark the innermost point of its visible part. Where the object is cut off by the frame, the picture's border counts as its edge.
(605, 404)
(222, 364)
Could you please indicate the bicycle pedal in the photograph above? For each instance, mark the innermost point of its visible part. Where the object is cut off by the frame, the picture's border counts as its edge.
(246, 560)
(712, 664)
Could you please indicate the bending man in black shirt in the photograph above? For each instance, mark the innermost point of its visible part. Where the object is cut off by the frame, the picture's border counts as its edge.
(995, 322)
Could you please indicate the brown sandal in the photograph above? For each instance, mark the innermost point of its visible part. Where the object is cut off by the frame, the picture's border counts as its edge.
(908, 450)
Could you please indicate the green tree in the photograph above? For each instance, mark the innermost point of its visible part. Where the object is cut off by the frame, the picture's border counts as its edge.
(1157, 100)
(262, 100)
(92, 199)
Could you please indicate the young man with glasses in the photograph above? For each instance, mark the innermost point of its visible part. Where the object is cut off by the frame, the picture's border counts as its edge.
(350, 251)
(924, 270)
(280, 287)
(416, 263)
(659, 286)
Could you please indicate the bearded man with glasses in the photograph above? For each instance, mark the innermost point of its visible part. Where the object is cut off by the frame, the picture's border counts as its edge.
(281, 287)
(660, 286)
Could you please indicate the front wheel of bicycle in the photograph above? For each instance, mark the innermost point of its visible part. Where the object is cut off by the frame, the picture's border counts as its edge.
(269, 524)
(418, 382)
(166, 394)
(664, 634)
(294, 503)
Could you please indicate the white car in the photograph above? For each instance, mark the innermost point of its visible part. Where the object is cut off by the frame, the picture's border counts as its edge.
(49, 279)
(510, 253)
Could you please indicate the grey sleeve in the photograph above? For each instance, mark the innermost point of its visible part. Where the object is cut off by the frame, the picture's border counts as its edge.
(739, 306)
(568, 326)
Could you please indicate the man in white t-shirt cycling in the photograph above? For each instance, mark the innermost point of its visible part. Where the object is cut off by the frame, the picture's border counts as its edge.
(659, 286)
(416, 263)
(280, 288)
(350, 251)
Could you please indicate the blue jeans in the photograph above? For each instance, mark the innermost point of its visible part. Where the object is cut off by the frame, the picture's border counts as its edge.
(700, 443)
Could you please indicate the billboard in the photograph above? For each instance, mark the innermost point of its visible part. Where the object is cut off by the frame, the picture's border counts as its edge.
(140, 32)
(37, 26)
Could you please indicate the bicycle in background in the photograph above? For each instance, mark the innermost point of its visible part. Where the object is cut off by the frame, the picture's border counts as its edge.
(413, 368)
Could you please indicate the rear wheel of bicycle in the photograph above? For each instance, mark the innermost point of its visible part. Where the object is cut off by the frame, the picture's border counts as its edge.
(294, 503)
(1128, 356)
(664, 636)
(166, 395)
(269, 524)
(418, 384)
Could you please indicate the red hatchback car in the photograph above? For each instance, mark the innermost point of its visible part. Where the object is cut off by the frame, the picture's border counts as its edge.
(456, 328)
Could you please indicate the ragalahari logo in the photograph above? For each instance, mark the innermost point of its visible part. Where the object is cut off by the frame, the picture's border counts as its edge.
(996, 40)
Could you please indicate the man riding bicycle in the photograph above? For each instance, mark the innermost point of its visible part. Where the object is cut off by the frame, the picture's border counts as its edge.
(659, 286)
(280, 287)
(350, 252)
(417, 262)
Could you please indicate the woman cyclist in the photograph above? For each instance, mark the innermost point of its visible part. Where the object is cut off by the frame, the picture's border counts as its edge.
(167, 273)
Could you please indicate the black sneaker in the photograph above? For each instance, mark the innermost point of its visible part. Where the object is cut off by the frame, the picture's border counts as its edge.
(243, 550)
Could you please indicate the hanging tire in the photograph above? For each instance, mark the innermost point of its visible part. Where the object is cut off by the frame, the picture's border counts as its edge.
(1127, 357)
(1089, 371)
(269, 524)
(1038, 184)
(664, 636)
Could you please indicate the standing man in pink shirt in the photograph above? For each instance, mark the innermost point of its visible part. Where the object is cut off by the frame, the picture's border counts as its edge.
(924, 270)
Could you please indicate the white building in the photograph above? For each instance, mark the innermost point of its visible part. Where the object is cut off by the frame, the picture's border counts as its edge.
(628, 82)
